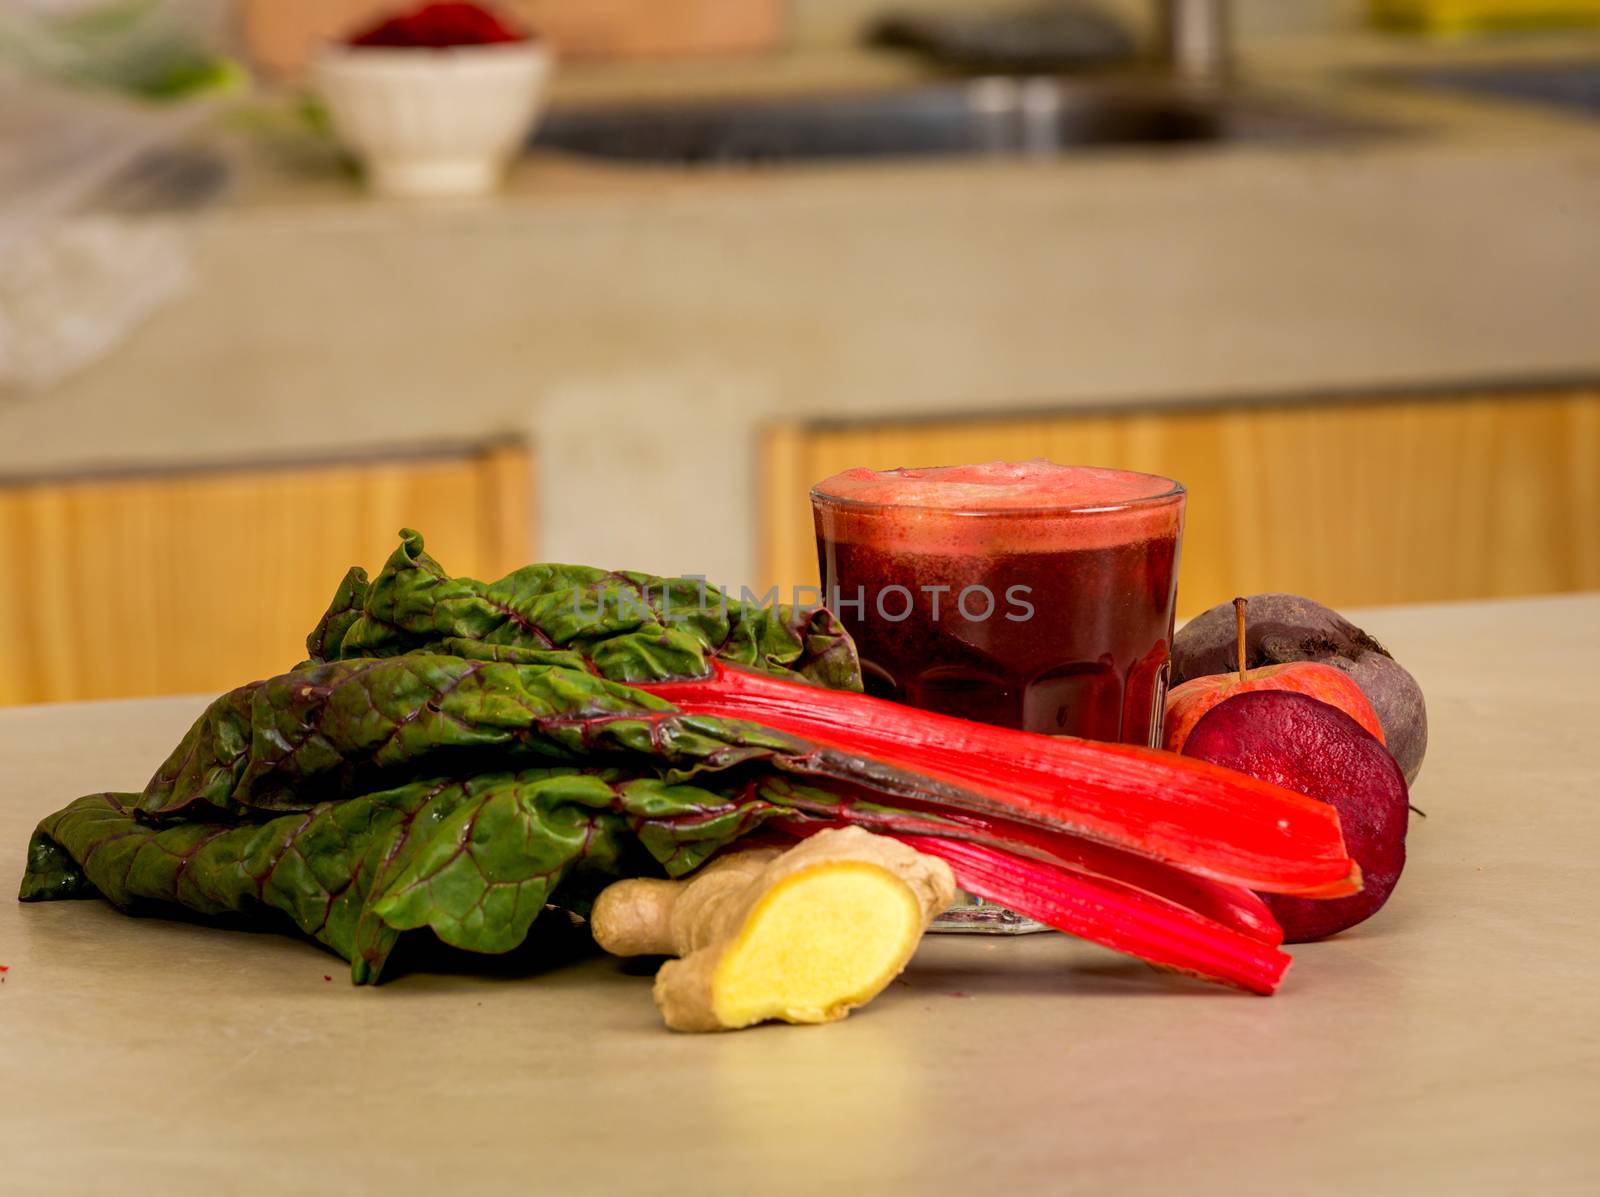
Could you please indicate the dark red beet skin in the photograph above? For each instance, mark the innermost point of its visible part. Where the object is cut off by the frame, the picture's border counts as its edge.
(1306, 745)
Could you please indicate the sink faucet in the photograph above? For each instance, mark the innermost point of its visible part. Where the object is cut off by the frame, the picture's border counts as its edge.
(1192, 36)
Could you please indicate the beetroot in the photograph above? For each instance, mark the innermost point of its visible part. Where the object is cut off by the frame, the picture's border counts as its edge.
(1302, 744)
(1286, 627)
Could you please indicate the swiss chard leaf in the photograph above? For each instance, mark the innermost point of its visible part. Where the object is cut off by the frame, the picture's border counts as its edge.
(326, 731)
(474, 859)
(626, 626)
(493, 862)
(323, 732)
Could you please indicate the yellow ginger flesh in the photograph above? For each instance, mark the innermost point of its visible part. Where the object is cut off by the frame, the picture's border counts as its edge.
(804, 936)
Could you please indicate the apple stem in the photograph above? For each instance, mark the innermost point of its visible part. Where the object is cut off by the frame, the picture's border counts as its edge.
(1418, 811)
(1239, 604)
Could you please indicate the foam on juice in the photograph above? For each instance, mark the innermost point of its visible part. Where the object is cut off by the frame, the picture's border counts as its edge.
(1005, 507)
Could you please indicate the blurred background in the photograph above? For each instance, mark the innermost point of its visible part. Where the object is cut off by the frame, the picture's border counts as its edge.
(1335, 266)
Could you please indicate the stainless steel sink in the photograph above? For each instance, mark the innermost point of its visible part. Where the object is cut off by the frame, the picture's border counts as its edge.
(1563, 84)
(1041, 117)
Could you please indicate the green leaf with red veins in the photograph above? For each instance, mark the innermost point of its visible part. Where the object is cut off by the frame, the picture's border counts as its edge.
(489, 867)
(325, 731)
(625, 626)
(475, 859)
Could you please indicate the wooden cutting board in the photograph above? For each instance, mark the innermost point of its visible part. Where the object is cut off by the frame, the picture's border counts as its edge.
(282, 33)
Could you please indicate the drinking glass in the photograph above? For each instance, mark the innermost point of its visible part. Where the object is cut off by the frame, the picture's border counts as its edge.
(1025, 594)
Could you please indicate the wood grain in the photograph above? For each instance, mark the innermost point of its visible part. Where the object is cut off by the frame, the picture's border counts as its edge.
(1396, 500)
(200, 581)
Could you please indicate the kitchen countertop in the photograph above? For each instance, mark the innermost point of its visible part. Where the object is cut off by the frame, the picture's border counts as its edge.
(1448, 1046)
(641, 327)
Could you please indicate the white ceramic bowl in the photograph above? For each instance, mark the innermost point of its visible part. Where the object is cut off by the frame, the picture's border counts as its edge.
(428, 122)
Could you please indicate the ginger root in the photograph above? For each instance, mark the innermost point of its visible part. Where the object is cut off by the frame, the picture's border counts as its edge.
(804, 936)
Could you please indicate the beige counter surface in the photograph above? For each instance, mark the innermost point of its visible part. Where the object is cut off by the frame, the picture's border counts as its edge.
(1451, 1045)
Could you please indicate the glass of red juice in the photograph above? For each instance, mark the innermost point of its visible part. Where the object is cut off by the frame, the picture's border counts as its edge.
(1025, 594)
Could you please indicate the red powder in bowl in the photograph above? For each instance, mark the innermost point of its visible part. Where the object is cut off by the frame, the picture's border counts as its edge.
(441, 25)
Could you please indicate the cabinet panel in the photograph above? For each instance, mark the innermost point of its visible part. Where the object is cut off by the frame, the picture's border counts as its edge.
(1412, 499)
(184, 582)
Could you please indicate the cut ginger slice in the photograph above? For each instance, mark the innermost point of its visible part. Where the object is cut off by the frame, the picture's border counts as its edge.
(804, 936)
(827, 940)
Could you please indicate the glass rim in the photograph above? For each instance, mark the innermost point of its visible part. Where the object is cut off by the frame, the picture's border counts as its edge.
(1175, 491)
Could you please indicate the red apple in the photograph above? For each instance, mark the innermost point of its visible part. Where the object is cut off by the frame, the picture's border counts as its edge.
(1187, 703)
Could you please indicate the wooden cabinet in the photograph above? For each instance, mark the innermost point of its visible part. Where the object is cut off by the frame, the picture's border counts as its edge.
(1391, 500)
(198, 581)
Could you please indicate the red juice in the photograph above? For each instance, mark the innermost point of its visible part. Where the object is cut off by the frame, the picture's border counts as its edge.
(1027, 594)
